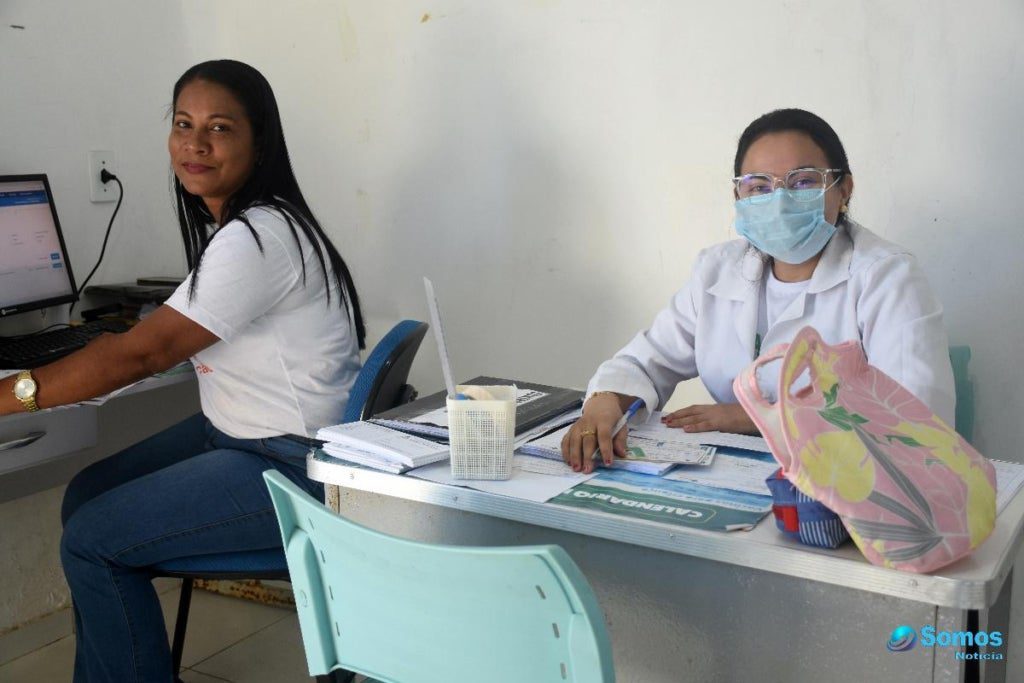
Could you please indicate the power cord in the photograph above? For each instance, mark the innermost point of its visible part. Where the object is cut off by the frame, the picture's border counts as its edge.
(105, 176)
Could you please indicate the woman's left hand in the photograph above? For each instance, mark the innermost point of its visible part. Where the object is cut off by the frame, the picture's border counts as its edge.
(720, 417)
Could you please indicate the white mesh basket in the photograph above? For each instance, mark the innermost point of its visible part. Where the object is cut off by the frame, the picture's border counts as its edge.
(482, 432)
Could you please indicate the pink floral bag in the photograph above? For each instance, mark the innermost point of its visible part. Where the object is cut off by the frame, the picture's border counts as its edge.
(913, 494)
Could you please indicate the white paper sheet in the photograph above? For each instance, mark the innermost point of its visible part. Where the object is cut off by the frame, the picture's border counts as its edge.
(550, 447)
(1009, 478)
(365, 458)
(545, 427)
(729, 472)
(390, 444)
(655, 429)
(536, 465)
(524, 484)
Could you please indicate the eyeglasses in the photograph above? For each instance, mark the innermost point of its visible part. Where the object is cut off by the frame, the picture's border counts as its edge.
(763, 184)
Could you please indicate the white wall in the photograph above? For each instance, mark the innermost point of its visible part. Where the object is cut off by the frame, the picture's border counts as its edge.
(553, 166)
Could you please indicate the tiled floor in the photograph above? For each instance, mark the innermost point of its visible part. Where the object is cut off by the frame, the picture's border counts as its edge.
(228, 640)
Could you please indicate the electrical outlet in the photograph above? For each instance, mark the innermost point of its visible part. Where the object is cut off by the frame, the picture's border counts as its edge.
(98, 190)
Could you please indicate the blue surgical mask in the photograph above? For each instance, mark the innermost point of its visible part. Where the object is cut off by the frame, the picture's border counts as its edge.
(782, 226)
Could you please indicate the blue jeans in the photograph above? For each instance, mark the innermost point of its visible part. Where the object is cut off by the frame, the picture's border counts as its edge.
(189, 490)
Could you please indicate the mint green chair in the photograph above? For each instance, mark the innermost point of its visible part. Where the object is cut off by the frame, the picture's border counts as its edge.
(407, 612)
(959, 356)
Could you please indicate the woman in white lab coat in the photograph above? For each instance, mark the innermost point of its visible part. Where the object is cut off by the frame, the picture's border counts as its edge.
(801, 260)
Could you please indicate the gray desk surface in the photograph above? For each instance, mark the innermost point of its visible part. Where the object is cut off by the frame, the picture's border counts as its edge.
(972, 583)
(142, 410)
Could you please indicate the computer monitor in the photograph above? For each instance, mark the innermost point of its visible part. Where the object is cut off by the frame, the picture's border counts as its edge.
(34, 267)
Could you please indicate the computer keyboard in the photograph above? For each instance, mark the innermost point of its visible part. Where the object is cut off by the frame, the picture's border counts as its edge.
(40, 349)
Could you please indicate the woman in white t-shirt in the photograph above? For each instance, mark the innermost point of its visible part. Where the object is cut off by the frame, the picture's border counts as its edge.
(270, 318)
(802, 261)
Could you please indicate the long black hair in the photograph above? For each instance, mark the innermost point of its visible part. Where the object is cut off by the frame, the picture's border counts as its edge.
(271, 184)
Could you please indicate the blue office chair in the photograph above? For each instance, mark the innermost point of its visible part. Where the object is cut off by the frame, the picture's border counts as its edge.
(408, 612)
(381, 385)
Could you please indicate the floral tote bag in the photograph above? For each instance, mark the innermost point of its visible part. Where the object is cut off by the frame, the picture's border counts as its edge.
(913, 494)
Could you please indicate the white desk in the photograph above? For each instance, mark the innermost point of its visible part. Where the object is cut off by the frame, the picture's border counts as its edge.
(688, 604)
(79, 435)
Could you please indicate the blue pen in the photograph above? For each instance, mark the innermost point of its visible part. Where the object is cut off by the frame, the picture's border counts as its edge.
(630, 412)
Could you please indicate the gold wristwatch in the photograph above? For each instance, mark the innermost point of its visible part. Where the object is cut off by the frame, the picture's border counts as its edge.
(25, 389)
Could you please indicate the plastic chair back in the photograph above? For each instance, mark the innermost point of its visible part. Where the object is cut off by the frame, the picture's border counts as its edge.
(381, 383)
(960, 356)
(407, 612)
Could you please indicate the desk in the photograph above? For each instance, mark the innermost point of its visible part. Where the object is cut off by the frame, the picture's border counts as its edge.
(82, 434)
(687, 604)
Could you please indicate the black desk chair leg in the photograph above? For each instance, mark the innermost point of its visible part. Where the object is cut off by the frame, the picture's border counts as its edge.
(180, 625)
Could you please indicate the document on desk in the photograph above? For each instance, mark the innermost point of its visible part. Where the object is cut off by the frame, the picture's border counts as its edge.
(734, 469)
(658, 499)
(1009, 479)
(653, 428)
(373, 443)
(435, 422)
(534, 479)
(648, 453)
(549, 446)
(535, 404)
(439, 417)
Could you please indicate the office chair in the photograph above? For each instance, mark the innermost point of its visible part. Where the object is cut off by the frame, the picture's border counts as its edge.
(401, 611)
(959, 356)
(381, 385)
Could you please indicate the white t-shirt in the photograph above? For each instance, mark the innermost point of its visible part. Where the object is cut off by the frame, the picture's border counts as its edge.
(287, 359)
(776, 297)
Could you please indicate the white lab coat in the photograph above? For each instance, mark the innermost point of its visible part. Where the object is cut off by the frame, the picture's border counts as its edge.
(863, 288)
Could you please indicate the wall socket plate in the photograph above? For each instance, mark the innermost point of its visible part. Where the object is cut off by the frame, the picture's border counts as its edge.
(99, 191)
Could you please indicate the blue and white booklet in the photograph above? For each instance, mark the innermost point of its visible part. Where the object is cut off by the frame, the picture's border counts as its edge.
(666, 501)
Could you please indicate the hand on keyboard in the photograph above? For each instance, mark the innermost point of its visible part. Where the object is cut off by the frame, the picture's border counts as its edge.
(40, 349)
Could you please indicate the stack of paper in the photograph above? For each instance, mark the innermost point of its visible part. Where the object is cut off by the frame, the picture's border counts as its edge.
(381, 448)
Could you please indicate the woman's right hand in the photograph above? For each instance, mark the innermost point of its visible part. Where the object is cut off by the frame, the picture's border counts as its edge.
(594, 430)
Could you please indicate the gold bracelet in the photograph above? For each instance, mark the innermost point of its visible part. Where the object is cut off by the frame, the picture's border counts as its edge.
(599, 393)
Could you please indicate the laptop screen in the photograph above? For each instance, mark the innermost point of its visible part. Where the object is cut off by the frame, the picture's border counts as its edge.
(34, 268)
